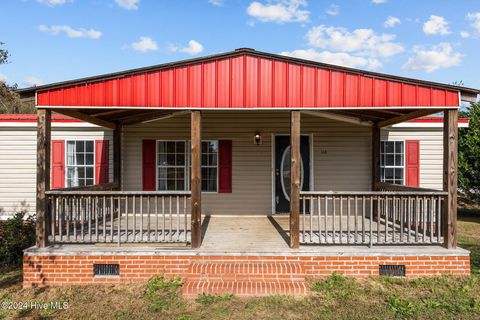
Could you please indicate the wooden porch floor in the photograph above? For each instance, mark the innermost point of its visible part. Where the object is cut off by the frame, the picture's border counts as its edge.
(242, 233)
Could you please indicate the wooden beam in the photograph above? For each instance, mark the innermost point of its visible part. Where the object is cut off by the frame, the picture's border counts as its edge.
(196, 179)
(43, 175)
(295, 179)
(450, 161)
(117, 156)
(375, 156)
(406, 117)
(86, 118)
(110, 112)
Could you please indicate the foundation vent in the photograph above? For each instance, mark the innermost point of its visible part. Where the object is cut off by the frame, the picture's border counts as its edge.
(392, 270)
(106, 270)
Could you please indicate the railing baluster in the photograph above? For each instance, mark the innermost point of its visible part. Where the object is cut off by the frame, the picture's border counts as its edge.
(156, 218)
(141, 218)
(148, 218)
(185, 217)
(402, 217)
(334, 213)
(119, 210)
(178, 218)
(134, 224)
(311, 219)
(348, 219)
(319, 211)
(363, 220)
(341, 219)
(326, 219)
(424, 218)
(303, 219)
(163, 214)
(439, 218)
(53, 218)
(171, 220)
(356, 219)
(111, 218)
(371, 219)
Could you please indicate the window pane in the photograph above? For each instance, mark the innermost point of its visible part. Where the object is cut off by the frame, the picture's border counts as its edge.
(180, 147)
(382, 147)
(171, 146)
(398, 147)
(389, 147)
(80, 146)
(161, 147)
(171, 159)
(89, 172)
(389, 160)
(89, 159)
(89, 182)
(204, 159)
(70, 152)
(213, 159)
(180, 159)
(89, 146)
(389, 173)
(398, 160)
(162, 173)
(162, 159)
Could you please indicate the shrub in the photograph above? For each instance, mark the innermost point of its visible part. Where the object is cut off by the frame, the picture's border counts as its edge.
(16, 234)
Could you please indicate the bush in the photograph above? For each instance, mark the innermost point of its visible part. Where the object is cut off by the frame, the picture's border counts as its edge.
(16, 234)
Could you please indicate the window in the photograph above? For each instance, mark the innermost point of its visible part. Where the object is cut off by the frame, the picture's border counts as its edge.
(392, 162)
(80, 163)
(173, 165)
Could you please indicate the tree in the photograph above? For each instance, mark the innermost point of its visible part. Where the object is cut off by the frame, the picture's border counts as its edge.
(469, 157)
(10, 101)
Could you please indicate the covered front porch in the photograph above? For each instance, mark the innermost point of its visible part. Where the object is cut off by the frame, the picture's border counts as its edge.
(382, 214)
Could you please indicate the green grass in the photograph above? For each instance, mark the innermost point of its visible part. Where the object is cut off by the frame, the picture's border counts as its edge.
(336, 297)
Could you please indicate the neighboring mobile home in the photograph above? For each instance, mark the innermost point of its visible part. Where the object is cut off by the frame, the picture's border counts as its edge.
(262, 164)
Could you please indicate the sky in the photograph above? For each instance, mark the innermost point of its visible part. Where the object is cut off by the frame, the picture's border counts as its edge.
(58, 40)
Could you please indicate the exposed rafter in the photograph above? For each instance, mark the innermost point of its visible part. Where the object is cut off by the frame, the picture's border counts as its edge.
(87, 118)
(406, 117)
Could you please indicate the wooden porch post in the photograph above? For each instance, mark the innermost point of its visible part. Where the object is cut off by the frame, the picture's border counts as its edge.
(43, 175)
(117, 156)
(196, 179)
(450, 156)
(375, 156)
(295, 179)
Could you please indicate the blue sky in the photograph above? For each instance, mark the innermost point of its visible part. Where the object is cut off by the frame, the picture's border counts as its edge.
(56, 40)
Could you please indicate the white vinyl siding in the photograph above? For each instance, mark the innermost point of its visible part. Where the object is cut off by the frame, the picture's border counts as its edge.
(18, 163)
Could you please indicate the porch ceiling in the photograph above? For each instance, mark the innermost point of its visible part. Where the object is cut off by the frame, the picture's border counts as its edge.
(110, 117)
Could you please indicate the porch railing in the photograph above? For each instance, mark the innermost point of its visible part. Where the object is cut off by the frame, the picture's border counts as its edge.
(372, 217)
(118, 217)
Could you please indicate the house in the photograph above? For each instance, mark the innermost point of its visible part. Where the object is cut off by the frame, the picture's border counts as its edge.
(247, 172)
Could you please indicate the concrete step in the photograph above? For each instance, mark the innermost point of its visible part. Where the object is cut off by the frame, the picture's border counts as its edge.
(246, 271)
(192, 288)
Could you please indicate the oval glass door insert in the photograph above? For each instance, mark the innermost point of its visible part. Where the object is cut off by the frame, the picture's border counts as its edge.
(285, 172)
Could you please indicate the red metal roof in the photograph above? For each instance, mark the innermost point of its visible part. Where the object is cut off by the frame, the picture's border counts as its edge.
(249, 79)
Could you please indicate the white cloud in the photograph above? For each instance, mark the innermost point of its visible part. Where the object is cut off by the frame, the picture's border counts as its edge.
(391, 22)
(379, 1)
(279, 11)
(217, 3)
(31, 81)
(464, 34)
(437, 57)
(53, 3)
(474, 17)
(333, 10)
(128, 4)
(144, 44)
(3, 78)
(193, 48)
(336, 58)
(363, 42)
(436, 25)
(70, 32)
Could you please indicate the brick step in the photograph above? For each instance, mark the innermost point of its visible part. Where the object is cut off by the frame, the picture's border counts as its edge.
(192, 288)
(246, 270)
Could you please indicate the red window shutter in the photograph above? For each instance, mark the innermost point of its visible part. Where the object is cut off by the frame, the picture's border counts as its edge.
(101, 161)
(58, 164)
(148, 165)
(412, 163)
(225, 166)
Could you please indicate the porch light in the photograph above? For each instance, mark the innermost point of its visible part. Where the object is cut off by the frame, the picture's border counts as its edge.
(257, 138)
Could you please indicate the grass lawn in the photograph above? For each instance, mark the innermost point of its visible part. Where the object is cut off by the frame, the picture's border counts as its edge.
(336, 297)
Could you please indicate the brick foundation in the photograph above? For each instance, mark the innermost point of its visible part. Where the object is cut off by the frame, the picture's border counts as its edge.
(243, 275)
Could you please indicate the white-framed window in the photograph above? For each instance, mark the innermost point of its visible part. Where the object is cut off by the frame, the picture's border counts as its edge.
(173, 165)
(80, 163)
(392, 162)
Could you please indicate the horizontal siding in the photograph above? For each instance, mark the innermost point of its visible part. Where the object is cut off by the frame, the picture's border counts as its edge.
(431, 152)
(18, 163)
(341, 155)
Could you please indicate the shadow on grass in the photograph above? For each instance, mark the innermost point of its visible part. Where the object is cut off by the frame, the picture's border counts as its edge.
(10, 276)
(469, 236)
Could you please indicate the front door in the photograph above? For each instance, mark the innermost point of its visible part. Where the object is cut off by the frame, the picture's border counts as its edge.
(282, 170)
